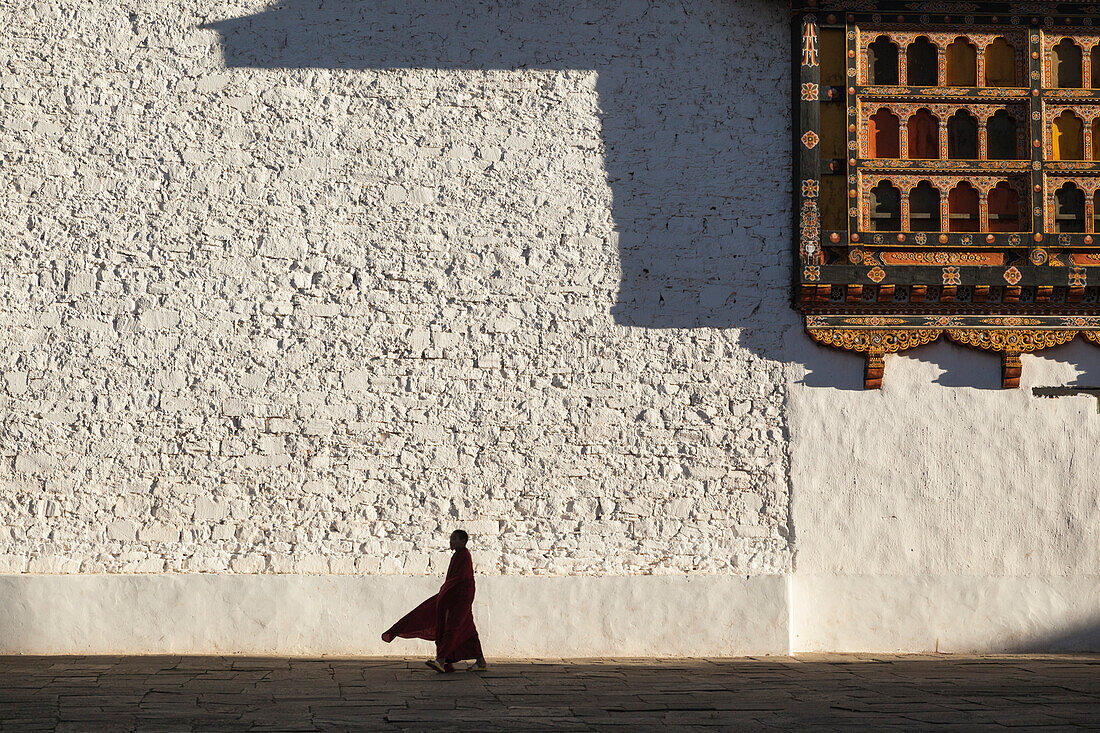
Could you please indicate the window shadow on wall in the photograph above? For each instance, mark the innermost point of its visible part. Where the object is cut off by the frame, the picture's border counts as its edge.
(950, 365)
(965, 367)
(956, 367)
(1081, 357)
(960, 366)
(694, 108)
(832, 368)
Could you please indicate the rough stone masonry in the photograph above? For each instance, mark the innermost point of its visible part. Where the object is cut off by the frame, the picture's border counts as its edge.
(261, 317)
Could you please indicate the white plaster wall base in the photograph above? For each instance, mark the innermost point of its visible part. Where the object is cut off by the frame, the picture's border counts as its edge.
(310, 615)
(943, 511)
(954, 614)
(942, 472)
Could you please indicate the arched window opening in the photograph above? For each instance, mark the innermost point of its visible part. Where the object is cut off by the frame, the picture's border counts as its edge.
(1096, 212)
(924, 135)
(1004, 208)
(1095, 67)
(1069, 209)
(962, 136)
(962, 64)
(883, 140)
(924, 208)
(920, 63)
(1000, 64)
(1068, 137)
(963, 208)
(882, 62)
(1065, 65)
(1000, 136)
(1096, 139)
(885, 213)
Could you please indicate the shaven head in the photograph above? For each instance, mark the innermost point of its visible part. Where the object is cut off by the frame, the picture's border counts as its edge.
(459, 539)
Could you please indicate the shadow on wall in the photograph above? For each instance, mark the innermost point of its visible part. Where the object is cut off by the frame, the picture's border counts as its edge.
(1084, 637)
(694, 110)
(951, 365)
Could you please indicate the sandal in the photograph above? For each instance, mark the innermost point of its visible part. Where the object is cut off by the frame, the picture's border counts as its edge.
(434, 664)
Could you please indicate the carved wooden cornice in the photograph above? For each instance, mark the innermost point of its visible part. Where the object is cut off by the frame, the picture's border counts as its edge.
(1010, 343)
(874, 344)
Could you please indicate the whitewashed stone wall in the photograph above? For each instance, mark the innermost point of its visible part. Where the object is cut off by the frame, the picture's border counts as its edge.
(942, 512)
(305, 300)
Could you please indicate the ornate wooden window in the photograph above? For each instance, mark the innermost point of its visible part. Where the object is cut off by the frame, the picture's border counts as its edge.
(947, 175)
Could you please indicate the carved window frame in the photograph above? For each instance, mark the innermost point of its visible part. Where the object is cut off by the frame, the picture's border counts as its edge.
(876, 292)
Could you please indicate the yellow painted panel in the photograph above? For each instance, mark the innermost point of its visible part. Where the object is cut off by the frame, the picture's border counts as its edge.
(1067, 138)
(834, 133)
(833, 55)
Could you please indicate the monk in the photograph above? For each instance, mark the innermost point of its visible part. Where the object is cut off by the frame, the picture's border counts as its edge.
(447, 617)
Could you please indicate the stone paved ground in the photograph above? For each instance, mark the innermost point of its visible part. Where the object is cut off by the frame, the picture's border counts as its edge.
(269, 694)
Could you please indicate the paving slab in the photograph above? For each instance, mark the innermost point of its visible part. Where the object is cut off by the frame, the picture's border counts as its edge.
(904, 692)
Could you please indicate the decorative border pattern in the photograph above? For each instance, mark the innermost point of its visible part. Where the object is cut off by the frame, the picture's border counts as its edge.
(875, 345)
(808, 159)
(915, 165)
(942, 258)
(983, 93)
(976, 321)
(1012, 340)
(874, 341)
(944, 183)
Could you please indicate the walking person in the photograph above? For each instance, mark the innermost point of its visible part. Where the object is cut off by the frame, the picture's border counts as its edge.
(447, 617)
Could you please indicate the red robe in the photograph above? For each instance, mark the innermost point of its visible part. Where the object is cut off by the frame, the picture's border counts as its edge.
(447, 617)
